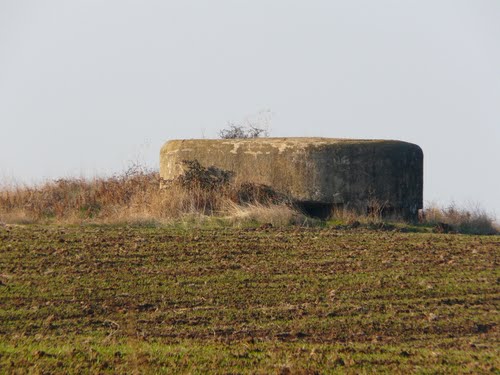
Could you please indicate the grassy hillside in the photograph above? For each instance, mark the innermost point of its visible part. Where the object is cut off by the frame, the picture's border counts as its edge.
(294, 300)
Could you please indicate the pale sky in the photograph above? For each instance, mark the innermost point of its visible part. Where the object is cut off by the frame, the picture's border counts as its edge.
(87, 86)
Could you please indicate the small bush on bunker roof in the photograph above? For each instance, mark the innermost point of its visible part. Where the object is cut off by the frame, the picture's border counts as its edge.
(233, 131)
(253, 126)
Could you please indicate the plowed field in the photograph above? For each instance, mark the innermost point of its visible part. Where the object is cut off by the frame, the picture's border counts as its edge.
(295, 300)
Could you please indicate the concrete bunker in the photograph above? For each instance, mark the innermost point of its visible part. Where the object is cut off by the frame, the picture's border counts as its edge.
(319, 174)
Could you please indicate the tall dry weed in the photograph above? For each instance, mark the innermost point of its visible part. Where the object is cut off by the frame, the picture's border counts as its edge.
(470, 219)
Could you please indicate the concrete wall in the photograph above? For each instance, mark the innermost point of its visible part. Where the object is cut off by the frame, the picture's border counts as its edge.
(336, 172)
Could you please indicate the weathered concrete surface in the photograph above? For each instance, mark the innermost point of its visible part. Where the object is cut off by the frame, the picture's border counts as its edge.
(337, 172)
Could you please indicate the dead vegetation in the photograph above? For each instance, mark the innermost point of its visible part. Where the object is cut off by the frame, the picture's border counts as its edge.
(139, 195)
(277, 215)
(453, 218)
(256, 126)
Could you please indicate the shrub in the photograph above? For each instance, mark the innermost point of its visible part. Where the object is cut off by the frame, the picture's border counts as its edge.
(196, 176)
(248, 192)
(241, 132)
(255, 126)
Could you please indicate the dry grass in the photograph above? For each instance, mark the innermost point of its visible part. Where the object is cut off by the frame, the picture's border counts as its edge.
(201, 193)
(136, 197)
(471, 219)
(277, 215)
(350, 216)
(68, 200)
(378, 214)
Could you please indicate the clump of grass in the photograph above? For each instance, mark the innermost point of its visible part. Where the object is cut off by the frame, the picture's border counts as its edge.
(276, 215)
(468, 220)
(376, 215)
